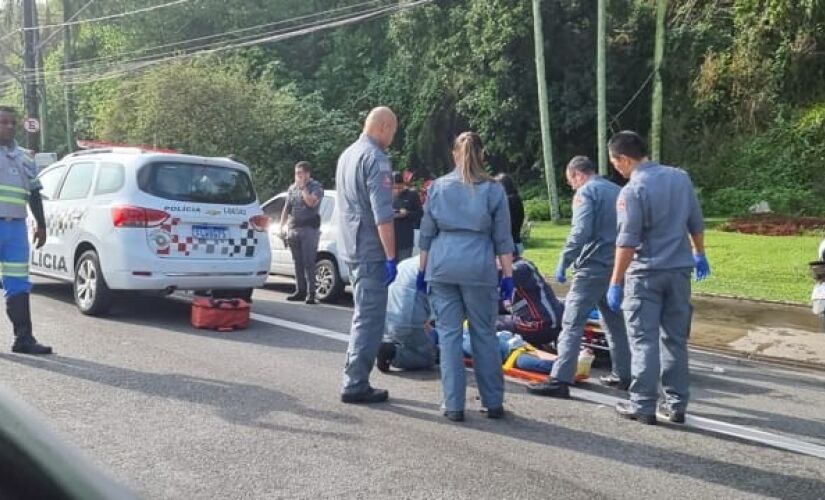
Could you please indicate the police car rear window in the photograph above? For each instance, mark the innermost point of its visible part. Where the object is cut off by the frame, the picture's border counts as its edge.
(197, 183)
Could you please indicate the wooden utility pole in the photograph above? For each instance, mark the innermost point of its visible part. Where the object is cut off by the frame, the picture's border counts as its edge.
(29, 72)
(656, 112)
(67, 86)
(544, 113)
(601, 87)
(40, 71)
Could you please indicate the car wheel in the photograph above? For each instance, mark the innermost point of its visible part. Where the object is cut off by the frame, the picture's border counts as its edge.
(328, 282)
(91, 293)
(240, 293)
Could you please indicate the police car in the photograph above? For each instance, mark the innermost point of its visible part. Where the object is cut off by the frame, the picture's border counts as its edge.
(121, 219)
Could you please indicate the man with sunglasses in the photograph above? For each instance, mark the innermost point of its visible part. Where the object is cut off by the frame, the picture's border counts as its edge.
(18, 187)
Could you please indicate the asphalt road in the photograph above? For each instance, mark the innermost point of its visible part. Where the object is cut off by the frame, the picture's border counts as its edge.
(174, 412)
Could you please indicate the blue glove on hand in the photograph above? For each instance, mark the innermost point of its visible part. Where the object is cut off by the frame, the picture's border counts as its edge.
(560, 275)
(702, 266)
(420, 283)
(506, 288)
(391, 267)
(614, 298)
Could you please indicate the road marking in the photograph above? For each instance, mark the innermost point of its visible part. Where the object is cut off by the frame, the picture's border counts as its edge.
(701, 423)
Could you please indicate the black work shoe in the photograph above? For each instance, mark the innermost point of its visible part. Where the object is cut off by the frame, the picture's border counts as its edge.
(613, 380)
(454, 416)
(551, 388)
(665, 412)
(626, 409)
(386, 353)
(369, 396)
(495, 413)
(31, 348)
(311, 301)
(297, 297)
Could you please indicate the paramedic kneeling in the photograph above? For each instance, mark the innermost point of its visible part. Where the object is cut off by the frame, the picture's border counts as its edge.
(18, 186)
(659, 217)
(407, 345)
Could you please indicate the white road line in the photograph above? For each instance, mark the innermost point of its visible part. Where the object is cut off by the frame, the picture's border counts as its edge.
(701, 423)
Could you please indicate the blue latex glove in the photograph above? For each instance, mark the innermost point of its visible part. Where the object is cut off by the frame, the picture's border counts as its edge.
(391, 266)
(506, 288)
(614, 298)
(702, 266)
(420, 283)
(561, 275)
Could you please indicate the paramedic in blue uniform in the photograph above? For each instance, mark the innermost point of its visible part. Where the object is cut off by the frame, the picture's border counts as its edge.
(302, 207)
(366, 240)
(466, 225)
(408, 342)
(659, 220)
(590, 249)
(18, 187)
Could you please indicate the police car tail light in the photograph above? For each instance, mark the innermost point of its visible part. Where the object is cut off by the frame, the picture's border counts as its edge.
(131, 216)
(259, 222)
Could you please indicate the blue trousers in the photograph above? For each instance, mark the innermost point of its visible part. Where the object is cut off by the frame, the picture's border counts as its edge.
(414, 349)
(370, 294)
(14, 257)
(587, 291)
(479, 304)
(658, 313)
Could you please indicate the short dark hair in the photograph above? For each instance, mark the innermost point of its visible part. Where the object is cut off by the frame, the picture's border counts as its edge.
(581, 164)
(8, 109)
(305, 166)
(628, 143)
(398, 178)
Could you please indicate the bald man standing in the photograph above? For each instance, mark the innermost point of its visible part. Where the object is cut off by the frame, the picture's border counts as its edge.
(366, 241)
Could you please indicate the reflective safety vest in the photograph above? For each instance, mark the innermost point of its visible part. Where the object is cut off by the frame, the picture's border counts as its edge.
(17, 179)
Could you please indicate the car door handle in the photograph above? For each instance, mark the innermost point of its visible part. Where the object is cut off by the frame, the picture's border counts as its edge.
(77, 216)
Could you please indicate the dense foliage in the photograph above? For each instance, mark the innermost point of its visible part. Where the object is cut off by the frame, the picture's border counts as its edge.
(744, 103)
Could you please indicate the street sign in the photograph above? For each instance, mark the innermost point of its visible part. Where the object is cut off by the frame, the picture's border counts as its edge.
(31, 125)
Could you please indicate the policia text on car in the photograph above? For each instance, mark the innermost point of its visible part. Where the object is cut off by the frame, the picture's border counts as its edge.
(18, 187)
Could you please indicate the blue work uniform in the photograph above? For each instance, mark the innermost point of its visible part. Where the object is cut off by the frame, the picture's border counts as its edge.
(590, 249)
(364, 200)
(407, 311)
(657, 211)
(17, 179)
(464, 228)
(304, 232)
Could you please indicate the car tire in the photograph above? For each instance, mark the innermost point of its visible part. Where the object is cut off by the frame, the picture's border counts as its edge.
(240, 293)
(91, 293)
(328, 282)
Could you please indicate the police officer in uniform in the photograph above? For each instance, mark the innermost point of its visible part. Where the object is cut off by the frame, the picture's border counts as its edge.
(659, 218)
(589, 249)
(302, 205)
(18, 187)
(366, 240)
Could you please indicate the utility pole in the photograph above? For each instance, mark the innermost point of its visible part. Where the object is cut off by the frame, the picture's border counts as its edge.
(544, 113)
(659, 52)
(29, 72)
(601, 87)
(67, 86)
(41, 81)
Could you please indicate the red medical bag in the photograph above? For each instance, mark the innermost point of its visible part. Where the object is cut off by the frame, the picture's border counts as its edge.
(223, 315)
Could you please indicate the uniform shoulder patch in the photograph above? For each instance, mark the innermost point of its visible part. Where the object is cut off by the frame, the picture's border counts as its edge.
(621, 205)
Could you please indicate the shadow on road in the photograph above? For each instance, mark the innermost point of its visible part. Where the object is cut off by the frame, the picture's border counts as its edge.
(743, 478)
(240, 404)
(171, 314)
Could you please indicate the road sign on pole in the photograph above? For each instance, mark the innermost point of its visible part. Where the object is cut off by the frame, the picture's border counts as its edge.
(31, 125)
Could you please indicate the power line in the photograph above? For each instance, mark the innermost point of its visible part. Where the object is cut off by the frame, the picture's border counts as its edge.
(266, 39)
(109, 17)
(57, 32)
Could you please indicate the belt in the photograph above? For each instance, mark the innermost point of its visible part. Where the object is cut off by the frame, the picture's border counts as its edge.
(9, 219)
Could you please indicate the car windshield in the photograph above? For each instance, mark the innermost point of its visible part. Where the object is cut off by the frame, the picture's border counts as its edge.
(197, 183)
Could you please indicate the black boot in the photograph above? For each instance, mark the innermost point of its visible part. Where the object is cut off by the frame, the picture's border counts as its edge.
(297, 296)
(17, 308)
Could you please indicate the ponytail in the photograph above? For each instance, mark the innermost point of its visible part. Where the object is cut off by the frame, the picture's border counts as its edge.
(469, 155)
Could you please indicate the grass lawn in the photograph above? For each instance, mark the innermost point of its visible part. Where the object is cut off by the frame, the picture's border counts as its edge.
(742, 265)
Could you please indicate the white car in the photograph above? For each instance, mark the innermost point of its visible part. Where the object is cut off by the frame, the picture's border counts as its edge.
(331, 274)
(128, 219)
(330, 271)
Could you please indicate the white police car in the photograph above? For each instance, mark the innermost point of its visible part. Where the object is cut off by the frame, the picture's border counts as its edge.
(128, 219)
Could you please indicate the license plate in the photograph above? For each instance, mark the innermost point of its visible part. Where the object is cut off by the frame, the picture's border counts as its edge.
(210, 232)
